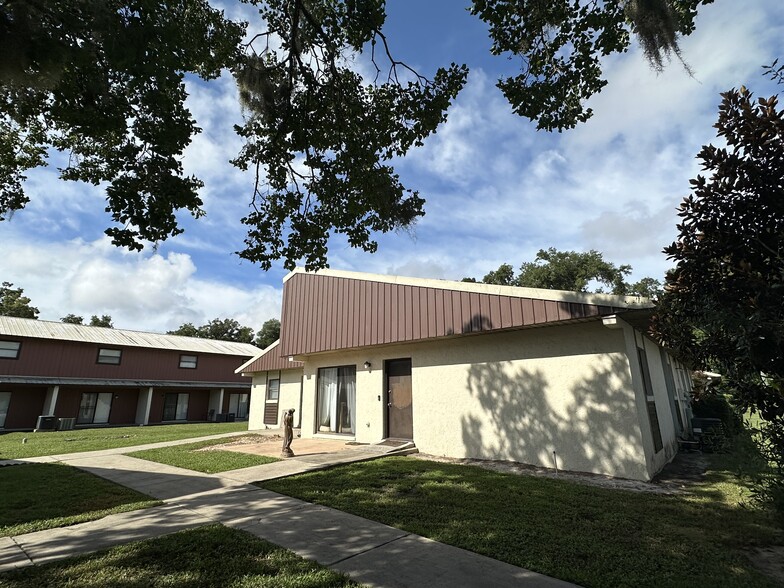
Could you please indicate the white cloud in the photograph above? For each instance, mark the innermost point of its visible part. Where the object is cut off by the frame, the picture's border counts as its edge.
(146, 292)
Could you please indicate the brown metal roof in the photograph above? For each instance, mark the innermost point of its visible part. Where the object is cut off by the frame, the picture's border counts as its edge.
(333, 310)
(268, 360)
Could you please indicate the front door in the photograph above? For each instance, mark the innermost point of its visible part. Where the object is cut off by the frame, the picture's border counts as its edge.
(400, 422)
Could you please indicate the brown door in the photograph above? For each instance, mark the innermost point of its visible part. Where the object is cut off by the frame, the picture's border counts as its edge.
(400, 421)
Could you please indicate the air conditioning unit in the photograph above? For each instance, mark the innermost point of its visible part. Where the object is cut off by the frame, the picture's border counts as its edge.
(66, 424)
(46, 423)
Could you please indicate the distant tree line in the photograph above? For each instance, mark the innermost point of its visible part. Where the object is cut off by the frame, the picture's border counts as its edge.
(231, 330)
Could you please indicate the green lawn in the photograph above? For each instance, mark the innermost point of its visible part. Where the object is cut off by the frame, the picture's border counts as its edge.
(44, 496)
(58, 442)
(583, 534)
(210, 462)
(207, 557)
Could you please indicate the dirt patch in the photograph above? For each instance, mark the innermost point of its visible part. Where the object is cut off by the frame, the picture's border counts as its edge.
(770, 561)
(235, 442)
(511, 467)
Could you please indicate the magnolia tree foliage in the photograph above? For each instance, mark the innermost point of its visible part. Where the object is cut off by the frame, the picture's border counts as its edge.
(724, 301)
(103, 80)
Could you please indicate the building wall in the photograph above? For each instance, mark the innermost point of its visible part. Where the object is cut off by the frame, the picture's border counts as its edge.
(518, 395)
(70, 359)
(289, 397)
(24, 406)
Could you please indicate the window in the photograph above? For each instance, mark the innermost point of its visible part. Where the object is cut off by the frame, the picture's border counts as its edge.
(5, 400)
(188, 361)
(337, 393)
(271, 404)
(273, 390)
(94, 408)
(175, 407)
(653, 417)
(238, 404)
(110, 356)
(9, 349)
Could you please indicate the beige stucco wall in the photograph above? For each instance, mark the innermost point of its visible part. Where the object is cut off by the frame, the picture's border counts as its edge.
(654, 461)
(518, 396)
(289, 396)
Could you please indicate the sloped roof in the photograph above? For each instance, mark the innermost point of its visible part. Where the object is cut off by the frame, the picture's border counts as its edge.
(268, 360)
(331, 310)
(38, 329)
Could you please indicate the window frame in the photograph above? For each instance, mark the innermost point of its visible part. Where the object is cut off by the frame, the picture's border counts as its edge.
(101, 355)
(650, 398)
(189, 367)
(18, 349)
(268, 397)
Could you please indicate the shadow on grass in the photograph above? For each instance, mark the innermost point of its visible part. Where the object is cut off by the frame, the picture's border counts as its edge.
(44, 496)
(591, 536)
(198, 558)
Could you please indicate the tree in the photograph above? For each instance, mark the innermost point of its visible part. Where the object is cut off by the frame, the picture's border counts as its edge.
(72, 319)
(226, 330)
(104, 320)
(571, 270)
(268, 334)
(221, 329)
(723, 304)
(185, 330)
(13, 303)
(103, 80)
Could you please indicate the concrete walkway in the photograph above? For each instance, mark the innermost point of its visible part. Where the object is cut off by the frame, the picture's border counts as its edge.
(369, 552)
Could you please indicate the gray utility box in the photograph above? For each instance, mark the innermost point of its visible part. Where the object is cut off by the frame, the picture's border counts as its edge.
(46, 423)
(66, 424)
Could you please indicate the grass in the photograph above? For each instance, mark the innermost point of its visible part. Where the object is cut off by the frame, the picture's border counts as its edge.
(587, 535)
(59, 442)
(189, 457)
(44, 496)
(206, 557)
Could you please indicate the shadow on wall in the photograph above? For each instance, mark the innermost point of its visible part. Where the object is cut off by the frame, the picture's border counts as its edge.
(594, 429)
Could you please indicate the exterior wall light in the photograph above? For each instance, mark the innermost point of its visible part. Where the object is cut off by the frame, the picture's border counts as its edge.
(367, 365)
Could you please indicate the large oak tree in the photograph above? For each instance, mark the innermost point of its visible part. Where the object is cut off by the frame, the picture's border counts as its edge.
(103, 80)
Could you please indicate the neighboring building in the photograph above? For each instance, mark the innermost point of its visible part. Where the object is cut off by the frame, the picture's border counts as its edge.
(541, 377)
(102, 376)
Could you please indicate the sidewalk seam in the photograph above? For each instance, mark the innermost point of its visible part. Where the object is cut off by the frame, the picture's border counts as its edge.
(22, 549)
(368, 550)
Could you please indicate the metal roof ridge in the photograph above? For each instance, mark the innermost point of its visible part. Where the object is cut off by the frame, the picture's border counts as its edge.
(45, 329)
(482, 288)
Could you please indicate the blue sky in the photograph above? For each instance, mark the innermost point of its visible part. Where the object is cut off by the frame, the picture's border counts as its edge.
(497, 190)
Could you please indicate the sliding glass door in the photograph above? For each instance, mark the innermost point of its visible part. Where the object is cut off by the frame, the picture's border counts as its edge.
(94, 408)
(175, 407)
(337, 395)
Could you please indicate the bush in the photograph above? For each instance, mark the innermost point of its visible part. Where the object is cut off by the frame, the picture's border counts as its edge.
(769, 487)
(715, 405)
